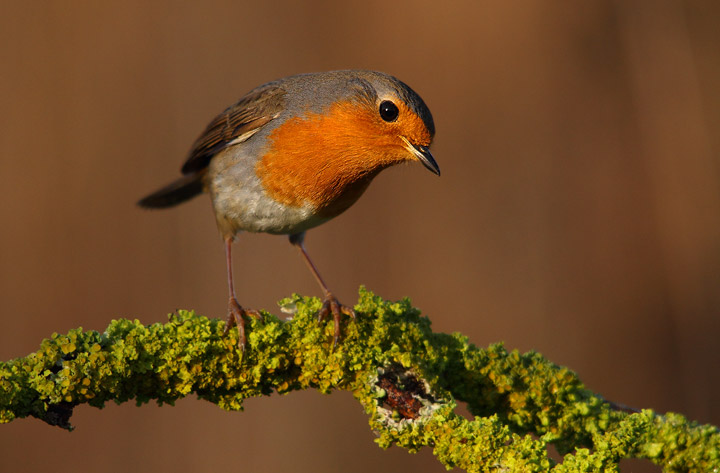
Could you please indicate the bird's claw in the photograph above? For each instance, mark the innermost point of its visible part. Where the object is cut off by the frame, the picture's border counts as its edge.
(332, 306)
(236, 314)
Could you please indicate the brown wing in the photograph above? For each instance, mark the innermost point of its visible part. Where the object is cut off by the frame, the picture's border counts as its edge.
(250, 113)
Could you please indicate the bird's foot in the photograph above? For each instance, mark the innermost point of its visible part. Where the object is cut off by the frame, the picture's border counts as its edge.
(332, 306)
(236, 314)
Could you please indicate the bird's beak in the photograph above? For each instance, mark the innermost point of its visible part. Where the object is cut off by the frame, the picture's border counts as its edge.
(422, 153)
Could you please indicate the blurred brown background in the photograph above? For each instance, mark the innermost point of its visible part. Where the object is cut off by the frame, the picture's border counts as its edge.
(578, 213)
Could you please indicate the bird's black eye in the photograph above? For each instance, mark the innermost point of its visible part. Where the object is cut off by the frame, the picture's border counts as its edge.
(389, 111)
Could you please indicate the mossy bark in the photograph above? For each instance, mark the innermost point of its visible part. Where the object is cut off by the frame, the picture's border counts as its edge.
(407, 378)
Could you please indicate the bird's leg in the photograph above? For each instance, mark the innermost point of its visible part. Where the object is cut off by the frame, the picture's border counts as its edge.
(330, 303)
(235, 311)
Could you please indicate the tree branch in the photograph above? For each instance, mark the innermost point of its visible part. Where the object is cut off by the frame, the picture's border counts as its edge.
(407, 378)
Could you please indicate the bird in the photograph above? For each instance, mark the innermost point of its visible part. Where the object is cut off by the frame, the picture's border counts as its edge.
(296, 152)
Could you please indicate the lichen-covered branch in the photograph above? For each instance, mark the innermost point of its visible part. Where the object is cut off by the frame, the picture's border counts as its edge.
(406, 377)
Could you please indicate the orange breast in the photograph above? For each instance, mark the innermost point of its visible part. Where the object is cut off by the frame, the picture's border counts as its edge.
(329, 159)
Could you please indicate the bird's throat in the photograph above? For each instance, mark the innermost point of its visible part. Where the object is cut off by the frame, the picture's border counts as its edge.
(326, 160)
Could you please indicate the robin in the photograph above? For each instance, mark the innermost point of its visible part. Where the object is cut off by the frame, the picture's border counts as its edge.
(296, 152)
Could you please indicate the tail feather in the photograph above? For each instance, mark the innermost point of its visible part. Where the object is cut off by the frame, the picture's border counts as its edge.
(175, 193)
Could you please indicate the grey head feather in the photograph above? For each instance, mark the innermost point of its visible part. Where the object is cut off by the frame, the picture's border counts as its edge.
(317, 91)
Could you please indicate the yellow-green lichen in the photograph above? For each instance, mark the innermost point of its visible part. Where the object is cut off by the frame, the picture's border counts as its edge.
(521, 402)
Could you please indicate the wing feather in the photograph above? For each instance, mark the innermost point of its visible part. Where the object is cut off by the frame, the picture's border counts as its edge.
(239, 121)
